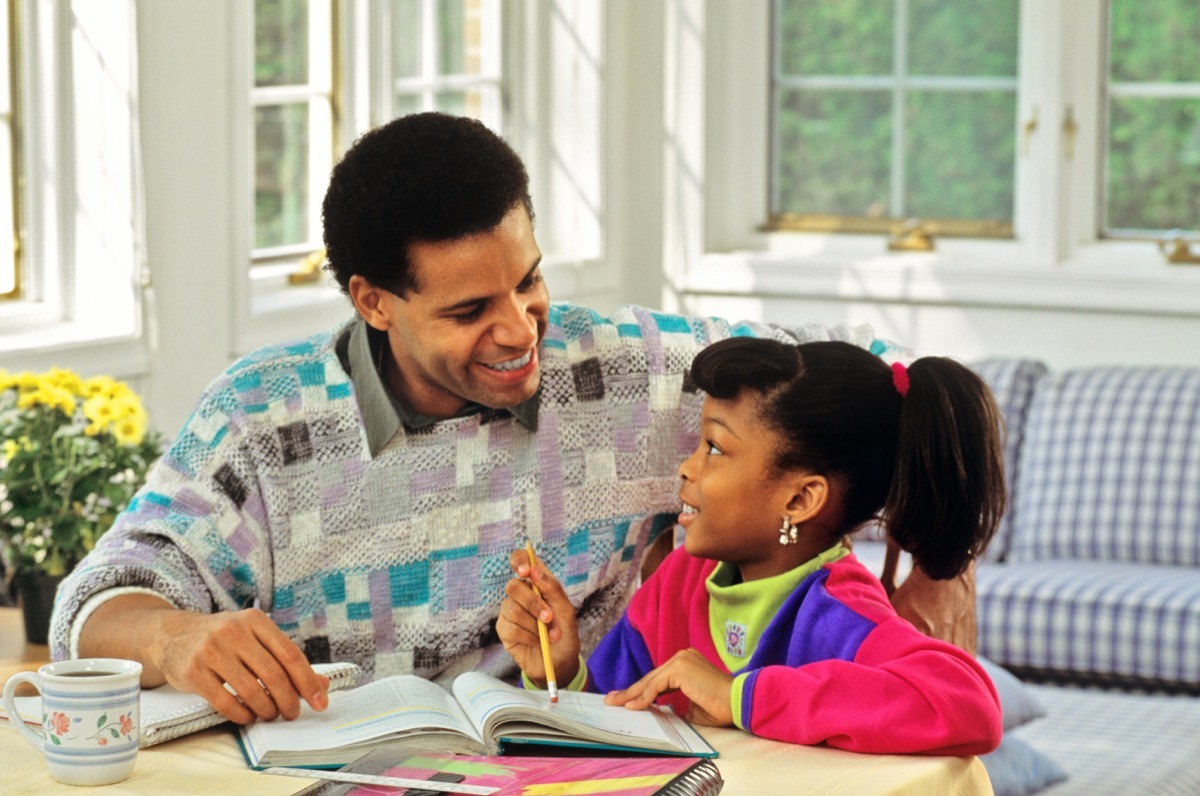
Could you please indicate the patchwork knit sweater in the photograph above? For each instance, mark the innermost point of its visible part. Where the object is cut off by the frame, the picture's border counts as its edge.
(269, 496)
(835, 664)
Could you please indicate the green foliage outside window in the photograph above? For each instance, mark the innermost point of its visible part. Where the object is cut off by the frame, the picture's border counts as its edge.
(844, 103)
(1152, 178)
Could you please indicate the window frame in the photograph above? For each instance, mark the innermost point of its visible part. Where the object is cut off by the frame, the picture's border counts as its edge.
(13, 198)
(321, 96)
(1056, 261)
(83, 279)
(553, 113)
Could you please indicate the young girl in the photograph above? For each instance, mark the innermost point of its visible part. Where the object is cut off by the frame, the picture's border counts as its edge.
(764, 619)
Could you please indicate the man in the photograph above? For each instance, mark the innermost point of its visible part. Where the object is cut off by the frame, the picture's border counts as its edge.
(355, 496)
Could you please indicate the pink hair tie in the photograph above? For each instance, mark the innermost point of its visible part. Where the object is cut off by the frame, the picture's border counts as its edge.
(900, 378)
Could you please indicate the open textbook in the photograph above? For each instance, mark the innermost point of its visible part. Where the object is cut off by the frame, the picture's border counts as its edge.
(484, 716)
(167, 713)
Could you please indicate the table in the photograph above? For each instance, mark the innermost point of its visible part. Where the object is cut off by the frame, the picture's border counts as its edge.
(210, 761)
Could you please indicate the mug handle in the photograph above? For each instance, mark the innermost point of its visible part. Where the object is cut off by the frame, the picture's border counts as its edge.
(10, 707)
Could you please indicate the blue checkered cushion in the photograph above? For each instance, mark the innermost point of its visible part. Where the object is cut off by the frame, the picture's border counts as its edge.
(1109, 468)
(1012, 382)
(1125, 620)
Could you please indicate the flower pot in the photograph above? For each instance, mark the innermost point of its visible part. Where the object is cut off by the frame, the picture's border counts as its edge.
(35, 592)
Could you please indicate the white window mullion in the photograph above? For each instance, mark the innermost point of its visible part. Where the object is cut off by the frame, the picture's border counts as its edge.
(1039, 202)
(1083, 43)
(899, 91)
(321, 150)
(430, 50)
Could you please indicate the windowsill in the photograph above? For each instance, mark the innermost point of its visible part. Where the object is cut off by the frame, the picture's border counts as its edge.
(1124, 277)
(75, 346)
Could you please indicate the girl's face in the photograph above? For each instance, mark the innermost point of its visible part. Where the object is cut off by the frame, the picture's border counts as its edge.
(733, 507)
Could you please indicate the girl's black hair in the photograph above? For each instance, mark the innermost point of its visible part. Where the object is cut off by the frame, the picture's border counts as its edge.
(929, 463)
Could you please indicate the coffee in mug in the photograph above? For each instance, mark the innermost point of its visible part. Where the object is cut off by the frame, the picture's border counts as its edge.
(90, 718)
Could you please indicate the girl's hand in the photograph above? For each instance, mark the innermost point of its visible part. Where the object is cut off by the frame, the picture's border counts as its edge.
(707, 687)
(517, 623)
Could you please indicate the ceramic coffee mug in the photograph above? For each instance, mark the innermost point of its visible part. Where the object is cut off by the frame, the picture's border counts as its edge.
(90, 718)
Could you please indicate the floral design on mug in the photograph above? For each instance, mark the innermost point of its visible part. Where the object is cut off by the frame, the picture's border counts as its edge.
(123, 726)
(58, 723)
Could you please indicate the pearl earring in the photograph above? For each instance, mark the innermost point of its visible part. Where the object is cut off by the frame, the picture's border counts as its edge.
(787, 531)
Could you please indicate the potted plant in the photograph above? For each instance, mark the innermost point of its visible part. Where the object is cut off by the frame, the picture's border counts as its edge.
(72, 454)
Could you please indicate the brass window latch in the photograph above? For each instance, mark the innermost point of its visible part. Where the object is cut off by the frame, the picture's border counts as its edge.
(309, 269)
(911, 236)
(1178, 250)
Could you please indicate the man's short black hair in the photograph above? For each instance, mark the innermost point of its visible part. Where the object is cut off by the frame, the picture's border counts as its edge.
(423, 177)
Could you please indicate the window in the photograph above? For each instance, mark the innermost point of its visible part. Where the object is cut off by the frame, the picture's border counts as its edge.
(1152, 136)
(436, 54)
(445, 56)
(72, 136)
(974, 114)
(884, 111)
(10, 256)
(293, 124)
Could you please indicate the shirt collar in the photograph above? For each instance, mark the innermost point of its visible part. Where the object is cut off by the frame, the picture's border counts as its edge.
(359, 347)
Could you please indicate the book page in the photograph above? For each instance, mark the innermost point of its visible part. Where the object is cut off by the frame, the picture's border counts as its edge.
(492, 703)
(393, 704)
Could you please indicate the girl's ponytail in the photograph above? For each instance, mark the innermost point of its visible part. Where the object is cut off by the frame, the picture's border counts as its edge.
(947, 492)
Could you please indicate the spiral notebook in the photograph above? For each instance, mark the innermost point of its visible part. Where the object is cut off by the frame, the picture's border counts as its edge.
(612, 775)
(168, 713)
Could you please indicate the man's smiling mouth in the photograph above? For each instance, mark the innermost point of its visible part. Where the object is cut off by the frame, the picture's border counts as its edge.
(512, 364)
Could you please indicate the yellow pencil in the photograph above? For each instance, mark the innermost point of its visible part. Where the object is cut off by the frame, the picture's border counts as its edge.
(551, 683)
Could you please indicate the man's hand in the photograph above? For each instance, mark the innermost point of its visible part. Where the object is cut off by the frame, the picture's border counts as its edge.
(200, 653)
(517, 623)
(707, 687)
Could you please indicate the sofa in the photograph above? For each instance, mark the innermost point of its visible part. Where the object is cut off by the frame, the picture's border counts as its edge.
(1088, 597)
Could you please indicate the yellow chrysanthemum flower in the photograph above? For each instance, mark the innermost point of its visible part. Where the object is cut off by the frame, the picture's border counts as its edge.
(98, 385)
(9, 449)
(100, 410)
(127, 405)
(65, 379)
(26, 381)
(129, 430)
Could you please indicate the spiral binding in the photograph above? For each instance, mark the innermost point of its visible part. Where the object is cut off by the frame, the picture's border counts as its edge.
(701, 779)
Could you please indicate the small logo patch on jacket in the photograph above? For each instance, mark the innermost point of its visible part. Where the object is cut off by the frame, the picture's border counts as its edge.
(735, 639)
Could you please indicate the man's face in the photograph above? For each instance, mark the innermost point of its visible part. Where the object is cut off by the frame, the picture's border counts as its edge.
(470, 332)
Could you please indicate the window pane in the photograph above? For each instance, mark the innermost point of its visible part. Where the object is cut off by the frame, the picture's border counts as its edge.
(1152, 169)
(835, 153)
(406, 104)
(959, 155)
(281, 175)
(280, 42)
(966, 37)
(1153, 179)
(895, 109)
(456, 47)
(1156, 41)
(835, 37)
(407, 43)
(8, 258)
(468, 102)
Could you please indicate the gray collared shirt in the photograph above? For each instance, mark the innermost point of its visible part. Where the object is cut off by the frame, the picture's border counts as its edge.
(358, 348)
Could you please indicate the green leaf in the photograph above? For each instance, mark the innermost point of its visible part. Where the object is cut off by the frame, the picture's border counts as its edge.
(54, 740)
(100, 722)
(113, 730)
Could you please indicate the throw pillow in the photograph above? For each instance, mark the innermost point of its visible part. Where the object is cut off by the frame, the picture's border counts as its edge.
(1017, 704)
(1016, 768)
